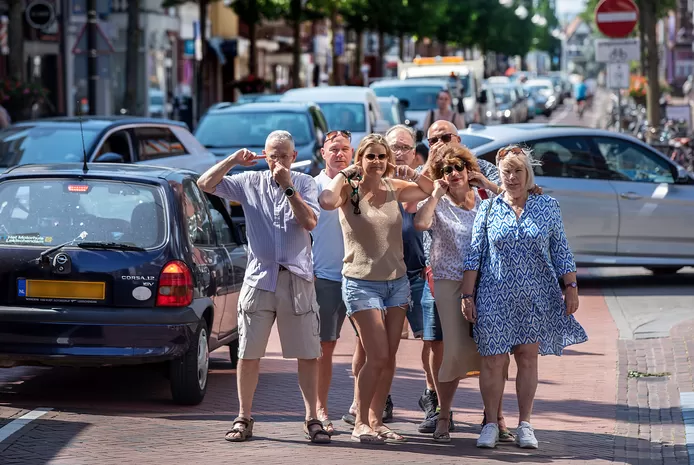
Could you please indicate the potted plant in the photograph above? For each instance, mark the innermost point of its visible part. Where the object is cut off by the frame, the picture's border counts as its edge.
(637, 89)
(19, 97)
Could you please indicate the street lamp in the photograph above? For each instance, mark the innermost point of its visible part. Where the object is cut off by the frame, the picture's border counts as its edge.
(521, 12)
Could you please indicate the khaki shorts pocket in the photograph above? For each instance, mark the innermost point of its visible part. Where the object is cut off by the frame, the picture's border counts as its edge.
(303, 296)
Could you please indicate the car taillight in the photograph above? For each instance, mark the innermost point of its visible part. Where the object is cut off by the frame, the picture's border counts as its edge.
(175, 285)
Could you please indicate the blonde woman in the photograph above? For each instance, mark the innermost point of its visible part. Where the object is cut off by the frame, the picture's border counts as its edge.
(520, 249)
(449, 214)
(375, 287)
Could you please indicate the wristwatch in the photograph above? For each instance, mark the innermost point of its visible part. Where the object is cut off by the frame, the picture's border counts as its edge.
(289, 192)
(571, 284)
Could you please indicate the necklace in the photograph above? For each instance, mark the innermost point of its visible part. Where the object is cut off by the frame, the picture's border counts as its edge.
(466, 201)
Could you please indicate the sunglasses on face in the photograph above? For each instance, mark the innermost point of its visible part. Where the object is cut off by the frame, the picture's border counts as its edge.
(445, 138)
(341, 132)
(448, 169)
(373, 156)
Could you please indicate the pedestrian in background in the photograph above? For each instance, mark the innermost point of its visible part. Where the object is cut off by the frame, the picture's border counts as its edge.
(375, 287)
(281, 207)
(520, 249)
(328, 252)
(444, 111)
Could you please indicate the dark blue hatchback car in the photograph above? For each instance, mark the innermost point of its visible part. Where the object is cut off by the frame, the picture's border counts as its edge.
(119, 264)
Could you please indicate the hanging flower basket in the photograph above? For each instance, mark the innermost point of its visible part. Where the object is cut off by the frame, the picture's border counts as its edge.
(18, 97)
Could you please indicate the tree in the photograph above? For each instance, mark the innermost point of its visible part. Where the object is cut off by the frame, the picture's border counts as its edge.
(132, 58)
(252, 13)
(15, 40)
(354, 13)
(650, 11)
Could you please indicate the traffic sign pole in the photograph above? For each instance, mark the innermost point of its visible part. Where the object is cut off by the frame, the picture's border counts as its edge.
(617, 19)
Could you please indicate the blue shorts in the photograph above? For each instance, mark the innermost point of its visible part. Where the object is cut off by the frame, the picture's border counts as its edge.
(423, 316)
(360, 294)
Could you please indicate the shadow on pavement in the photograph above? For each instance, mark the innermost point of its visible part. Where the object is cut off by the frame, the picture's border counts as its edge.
(142, 393)
(40, 441)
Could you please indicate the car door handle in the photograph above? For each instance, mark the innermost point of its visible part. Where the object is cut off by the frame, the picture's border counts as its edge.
(630, 195)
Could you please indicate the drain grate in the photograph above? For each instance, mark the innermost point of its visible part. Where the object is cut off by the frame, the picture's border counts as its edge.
(640, 374)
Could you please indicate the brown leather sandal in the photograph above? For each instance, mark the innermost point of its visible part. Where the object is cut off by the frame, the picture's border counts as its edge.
(243, 433)
(313, 434)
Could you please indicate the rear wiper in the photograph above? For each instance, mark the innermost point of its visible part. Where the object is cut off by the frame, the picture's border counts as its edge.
(109, 245)
(42, 258)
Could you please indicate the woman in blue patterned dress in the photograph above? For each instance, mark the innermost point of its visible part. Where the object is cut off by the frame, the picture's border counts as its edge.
(520, 249)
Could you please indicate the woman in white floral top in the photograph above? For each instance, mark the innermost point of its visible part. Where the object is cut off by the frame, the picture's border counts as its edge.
(449, 214)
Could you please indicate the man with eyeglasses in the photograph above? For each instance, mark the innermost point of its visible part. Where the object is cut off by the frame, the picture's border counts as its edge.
(328, 253)
(281, 207)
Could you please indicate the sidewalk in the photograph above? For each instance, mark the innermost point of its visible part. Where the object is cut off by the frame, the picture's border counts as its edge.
(587, 410)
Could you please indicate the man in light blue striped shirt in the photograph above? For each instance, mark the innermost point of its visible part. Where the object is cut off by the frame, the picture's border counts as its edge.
(281, 207)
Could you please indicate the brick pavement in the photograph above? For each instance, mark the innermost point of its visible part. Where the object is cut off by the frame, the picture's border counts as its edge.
(110, 416)
(650, 425)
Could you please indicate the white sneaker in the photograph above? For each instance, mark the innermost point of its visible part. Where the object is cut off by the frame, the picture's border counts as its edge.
(489, 436)
(525, 436)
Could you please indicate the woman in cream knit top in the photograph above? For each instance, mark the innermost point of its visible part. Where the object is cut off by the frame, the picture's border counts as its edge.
(375, 287)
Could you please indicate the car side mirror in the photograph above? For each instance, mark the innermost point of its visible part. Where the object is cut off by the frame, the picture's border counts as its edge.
(110, 157)
(240, 232)
(482, 98)
(411, 122)
(683, 176)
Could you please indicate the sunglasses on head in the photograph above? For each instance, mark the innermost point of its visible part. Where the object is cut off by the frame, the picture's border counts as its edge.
(373, 156)
(448, 169)
(513, 150)
(445, 138)
(341, 132)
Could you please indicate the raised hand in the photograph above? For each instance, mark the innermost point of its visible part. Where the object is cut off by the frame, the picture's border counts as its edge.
(440, 188)
(402, 172)
(282, 175)
(244, 157)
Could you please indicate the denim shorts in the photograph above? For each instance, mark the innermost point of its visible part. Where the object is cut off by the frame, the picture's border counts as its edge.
(360, 294)
(423, 316)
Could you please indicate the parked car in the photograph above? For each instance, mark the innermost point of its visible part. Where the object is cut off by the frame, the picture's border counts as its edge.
(394, 111)
(545, 88)
(117, 265)
(623, 202)
(417, 95)
(106, 139)
(350, 108)
(227, 128)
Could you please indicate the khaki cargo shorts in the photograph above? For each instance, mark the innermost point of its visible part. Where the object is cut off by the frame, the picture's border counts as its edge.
(294, 306)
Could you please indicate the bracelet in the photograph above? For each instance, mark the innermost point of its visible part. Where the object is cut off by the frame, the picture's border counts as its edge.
(415, 178)
(342, 172)
(467, 296)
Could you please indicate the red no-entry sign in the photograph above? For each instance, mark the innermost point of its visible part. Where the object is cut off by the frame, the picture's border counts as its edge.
(616, 18)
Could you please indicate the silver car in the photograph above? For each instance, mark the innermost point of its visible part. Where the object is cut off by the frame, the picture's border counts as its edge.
(623, 203)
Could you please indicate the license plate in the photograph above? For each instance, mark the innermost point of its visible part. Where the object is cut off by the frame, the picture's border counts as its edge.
(44, 289)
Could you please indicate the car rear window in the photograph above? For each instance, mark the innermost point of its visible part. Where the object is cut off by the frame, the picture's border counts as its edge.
(250, 129)
(21, 145)
(49, 212)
